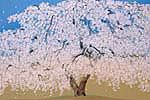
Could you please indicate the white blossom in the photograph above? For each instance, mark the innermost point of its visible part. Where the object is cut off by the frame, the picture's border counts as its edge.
(42, 53)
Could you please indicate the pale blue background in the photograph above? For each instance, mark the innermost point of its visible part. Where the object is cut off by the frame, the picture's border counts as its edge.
(9, 7)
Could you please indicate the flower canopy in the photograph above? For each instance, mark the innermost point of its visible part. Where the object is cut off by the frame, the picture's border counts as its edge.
(109, 40)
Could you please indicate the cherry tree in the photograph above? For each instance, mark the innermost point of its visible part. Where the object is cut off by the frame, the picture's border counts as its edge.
(56, 46)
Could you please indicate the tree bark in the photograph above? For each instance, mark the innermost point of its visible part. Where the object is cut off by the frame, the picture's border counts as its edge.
(79, 90)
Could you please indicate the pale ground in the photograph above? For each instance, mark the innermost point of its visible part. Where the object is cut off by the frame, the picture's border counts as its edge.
(94, 92)
(78, 98)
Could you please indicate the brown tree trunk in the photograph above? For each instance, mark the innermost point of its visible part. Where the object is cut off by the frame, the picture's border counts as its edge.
(79, 90)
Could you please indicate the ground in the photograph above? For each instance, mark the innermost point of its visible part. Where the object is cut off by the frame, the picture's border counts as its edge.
(82, 98)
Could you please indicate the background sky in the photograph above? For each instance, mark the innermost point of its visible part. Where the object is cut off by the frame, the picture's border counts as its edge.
(10, 7)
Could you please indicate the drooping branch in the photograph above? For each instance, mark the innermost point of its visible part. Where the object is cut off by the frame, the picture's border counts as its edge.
(88, 51)
(75, 57)
(51, 21)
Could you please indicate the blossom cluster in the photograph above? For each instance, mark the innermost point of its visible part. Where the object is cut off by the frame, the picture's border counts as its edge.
(42, 53)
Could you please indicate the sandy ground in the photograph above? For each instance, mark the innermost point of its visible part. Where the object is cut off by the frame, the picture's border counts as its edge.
(76, 98)
(83, 98)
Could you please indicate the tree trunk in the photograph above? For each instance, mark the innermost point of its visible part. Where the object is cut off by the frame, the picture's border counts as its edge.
(79, 90)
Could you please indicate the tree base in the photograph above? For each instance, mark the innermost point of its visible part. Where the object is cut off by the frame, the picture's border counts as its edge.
(79, 90)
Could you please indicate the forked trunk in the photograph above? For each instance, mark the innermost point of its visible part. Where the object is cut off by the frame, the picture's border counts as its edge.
(79, 90)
